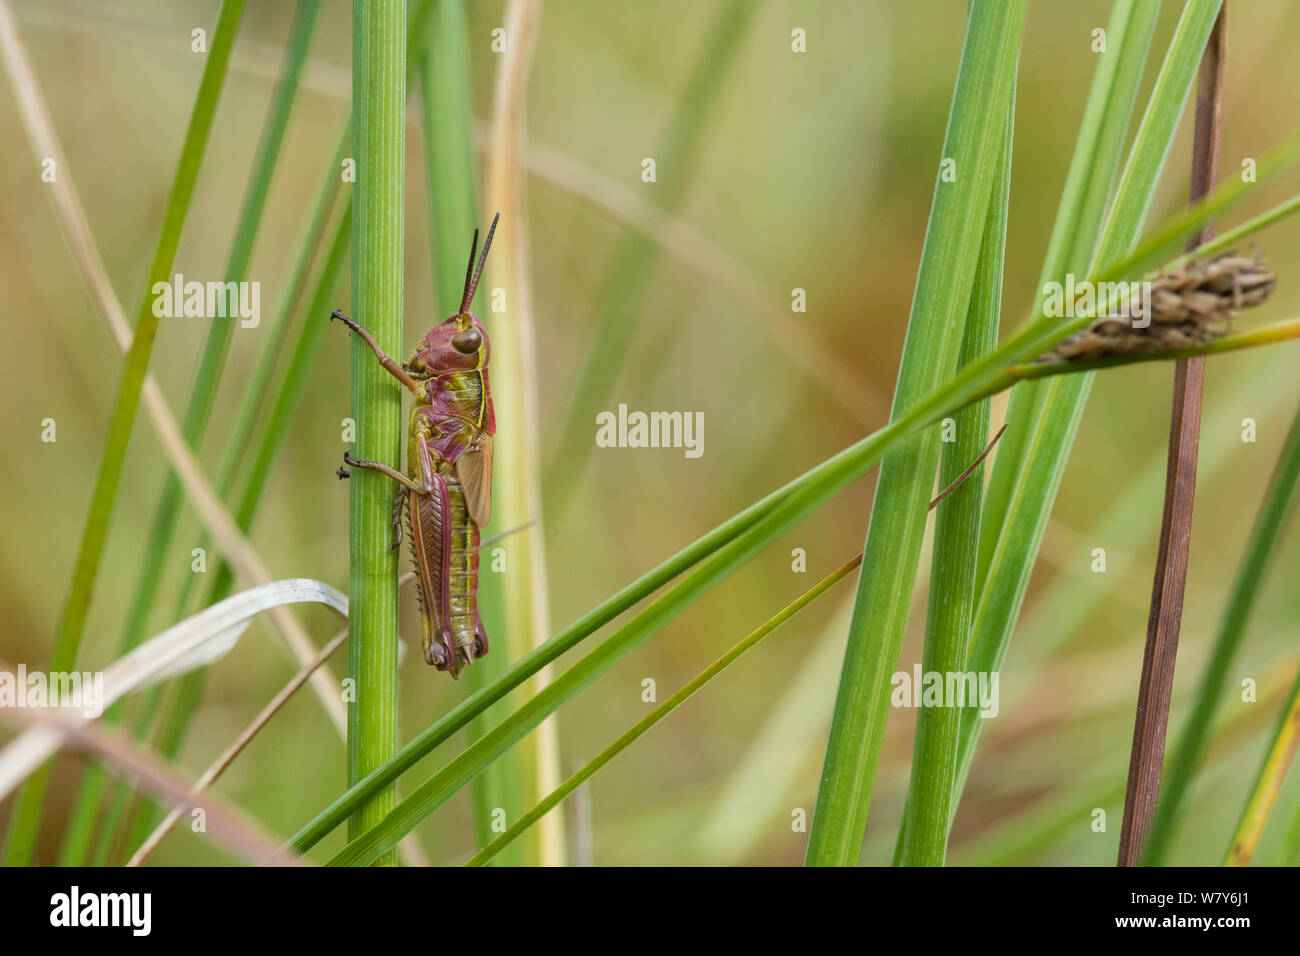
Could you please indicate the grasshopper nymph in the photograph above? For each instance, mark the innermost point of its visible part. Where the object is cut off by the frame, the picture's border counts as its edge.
(447, 489)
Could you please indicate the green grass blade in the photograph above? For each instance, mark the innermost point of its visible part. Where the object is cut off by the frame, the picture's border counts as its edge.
(379, 124)
(984, 88)
(1018, 529)
(1002, 591)
(302, 356)
(1097, 153)
(553, 799)
(1192, 743)
(1155, 136)
(1288, 853)
(1230, 238)
(638, 255)
(27, 812)
(448, 148)
(1100, 144)
(923, 837)
(767, 778)
(310, 243)
(1268, 781)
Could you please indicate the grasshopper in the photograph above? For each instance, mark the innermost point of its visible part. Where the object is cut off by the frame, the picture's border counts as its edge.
(446, 493)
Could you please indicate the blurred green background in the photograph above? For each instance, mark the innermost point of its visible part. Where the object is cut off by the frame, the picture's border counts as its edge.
(816, 172)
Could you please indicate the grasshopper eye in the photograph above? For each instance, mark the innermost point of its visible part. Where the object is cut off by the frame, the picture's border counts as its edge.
(467, 342)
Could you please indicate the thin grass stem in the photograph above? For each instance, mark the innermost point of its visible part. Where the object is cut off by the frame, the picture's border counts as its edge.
(379, 142)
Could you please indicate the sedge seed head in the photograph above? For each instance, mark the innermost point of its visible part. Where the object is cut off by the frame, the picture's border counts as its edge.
(1190, 305)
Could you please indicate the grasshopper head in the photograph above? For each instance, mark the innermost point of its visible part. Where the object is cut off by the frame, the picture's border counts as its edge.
(460, 342)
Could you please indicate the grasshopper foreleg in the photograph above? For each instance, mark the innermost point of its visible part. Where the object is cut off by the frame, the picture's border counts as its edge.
(389, 363)
(383, 469)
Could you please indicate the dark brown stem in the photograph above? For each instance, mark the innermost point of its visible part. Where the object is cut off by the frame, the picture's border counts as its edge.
(1157, 681)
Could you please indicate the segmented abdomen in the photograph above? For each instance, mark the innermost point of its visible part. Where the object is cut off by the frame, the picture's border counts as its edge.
(462, 576)
(450, 603)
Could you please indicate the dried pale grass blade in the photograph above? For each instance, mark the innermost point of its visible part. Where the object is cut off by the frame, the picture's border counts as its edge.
(1268, 784)
(195, 642)
(226, 823)
(410, 847)
(218, 766)
(517, 495)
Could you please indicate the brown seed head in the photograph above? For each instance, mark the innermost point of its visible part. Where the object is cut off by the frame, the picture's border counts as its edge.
(1190, 305)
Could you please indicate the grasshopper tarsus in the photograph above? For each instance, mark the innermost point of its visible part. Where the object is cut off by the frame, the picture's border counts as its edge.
(355, 326)
(391, 364)
(343, 473)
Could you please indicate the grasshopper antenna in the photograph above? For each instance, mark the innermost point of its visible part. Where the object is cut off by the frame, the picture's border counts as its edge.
(472, 275)
(469, 275)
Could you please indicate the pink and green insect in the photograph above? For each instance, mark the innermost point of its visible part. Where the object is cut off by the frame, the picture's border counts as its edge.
(447, 489)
